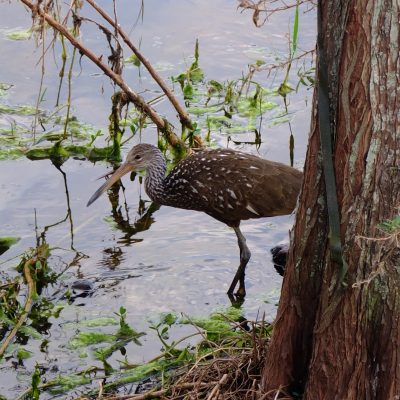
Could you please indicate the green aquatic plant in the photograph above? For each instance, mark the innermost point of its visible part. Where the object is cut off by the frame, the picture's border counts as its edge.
(132, 59)
(17, 140)
(25, 110)
(65, 383)
(6, 242)
(217, 333)
(192, 76)
(224, 107)
(23, 34)
(97, 322)
(227, 109)
(86, 339)
(23, 354)
(217, 325)
(4, 88)
(35, 391)
(162, 328)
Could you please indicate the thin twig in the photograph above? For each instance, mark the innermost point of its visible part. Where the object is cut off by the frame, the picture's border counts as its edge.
(100, 395)
(215, 391)
(183, 115)
(151, 394)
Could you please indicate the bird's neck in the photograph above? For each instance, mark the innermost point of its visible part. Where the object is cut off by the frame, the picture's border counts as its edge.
(154, 182)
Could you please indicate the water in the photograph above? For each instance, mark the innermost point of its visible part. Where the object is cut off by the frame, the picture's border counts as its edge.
(183, 261)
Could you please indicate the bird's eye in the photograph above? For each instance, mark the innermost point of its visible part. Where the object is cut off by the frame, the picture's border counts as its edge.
(138, 157)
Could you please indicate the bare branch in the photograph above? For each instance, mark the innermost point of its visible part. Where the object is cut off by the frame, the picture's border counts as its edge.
(184, 117)
(262, 7)
(139, 102)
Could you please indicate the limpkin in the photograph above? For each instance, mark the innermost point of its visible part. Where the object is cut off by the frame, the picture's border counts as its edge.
(228, 185)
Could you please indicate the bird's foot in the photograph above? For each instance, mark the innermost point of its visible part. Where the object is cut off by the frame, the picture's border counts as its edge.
(235, 301)
(241, 292)
(239, 278)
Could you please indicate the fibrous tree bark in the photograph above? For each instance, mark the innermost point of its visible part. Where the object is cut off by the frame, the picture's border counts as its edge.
(333, 339)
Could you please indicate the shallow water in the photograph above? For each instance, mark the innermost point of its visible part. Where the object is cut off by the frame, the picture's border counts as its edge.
(183, 261)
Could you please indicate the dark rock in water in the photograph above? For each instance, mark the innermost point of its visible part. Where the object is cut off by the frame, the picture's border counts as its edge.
(279, 256)
(82, 288)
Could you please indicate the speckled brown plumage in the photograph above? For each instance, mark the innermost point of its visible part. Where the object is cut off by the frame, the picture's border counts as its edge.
(226, 184)
(232, 186)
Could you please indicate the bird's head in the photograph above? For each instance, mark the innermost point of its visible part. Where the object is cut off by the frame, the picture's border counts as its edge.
(140, 157)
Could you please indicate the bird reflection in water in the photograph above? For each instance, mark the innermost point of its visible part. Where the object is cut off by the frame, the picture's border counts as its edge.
(114, 256)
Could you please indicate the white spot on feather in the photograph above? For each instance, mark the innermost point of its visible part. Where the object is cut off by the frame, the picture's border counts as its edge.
(251, 209)
(199, 183)
(232, 193)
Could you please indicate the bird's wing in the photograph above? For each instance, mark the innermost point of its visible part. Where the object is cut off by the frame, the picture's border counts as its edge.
(231, 186)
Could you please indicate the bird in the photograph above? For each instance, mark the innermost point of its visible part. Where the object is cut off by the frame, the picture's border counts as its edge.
(228, 185)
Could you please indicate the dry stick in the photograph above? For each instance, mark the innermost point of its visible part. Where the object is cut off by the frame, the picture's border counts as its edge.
(183, 116)
(155, 393)
(27, 308)
(135, 98)
(215, 392)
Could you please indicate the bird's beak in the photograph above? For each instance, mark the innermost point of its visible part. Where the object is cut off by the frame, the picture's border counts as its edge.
(118, 174)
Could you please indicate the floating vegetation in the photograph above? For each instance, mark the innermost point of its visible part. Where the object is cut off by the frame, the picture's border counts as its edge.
(6, 242)
(94, 322)
(163, 66)
(219, 324)
(231, 107)
(132, 59)
(226, 108)
(56, 136)
(18, 110)
(4, 87)
(85, 339)
(23, 34)
(68, 138)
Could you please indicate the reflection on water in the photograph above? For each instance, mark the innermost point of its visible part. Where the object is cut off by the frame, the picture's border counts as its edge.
(125, 250)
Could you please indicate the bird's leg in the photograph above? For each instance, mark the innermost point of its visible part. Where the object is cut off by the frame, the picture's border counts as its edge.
(244, 259)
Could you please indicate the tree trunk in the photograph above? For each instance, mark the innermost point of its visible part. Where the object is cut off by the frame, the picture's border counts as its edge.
(344, 343)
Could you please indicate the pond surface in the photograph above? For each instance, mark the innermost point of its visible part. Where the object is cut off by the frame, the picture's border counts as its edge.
(179, 261)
